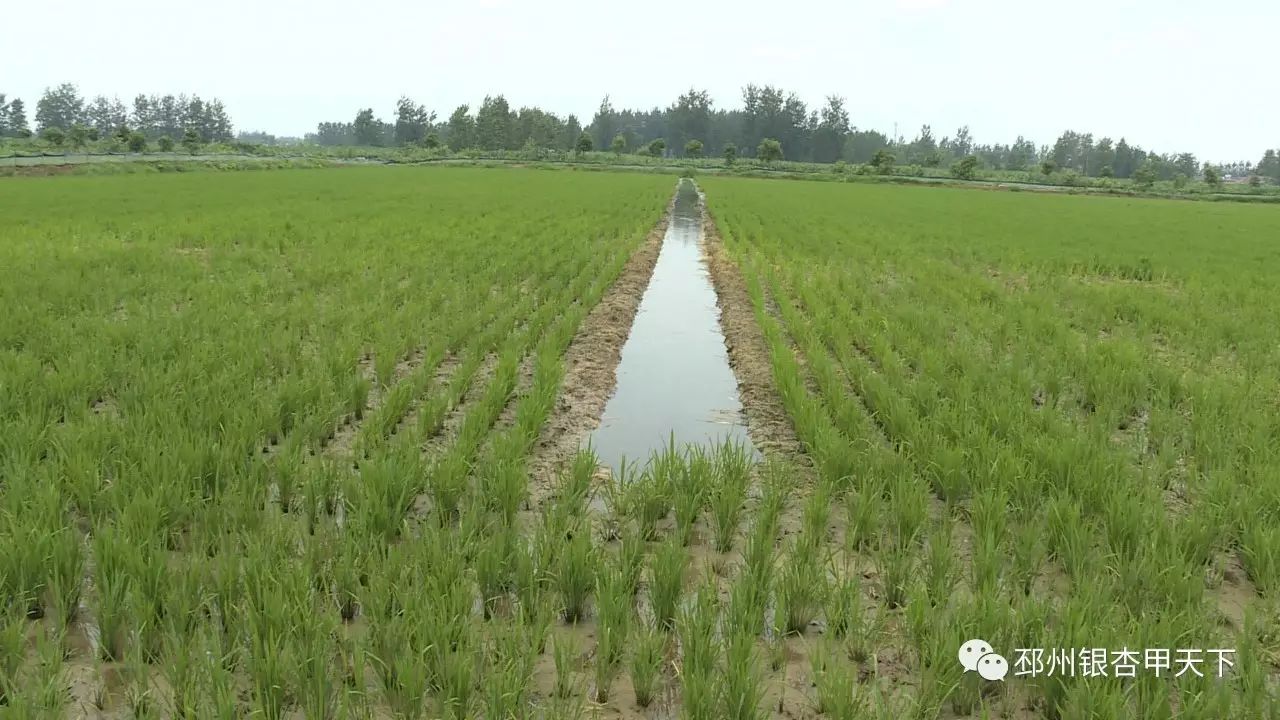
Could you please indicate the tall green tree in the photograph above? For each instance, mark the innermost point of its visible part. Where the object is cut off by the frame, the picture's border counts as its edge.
(493, 124)
(366, 128)
(460, 132)
(604, 125)
(1268, 167)
(862, 145)
(569, 133)
(106, 115)
(689, 118)
(831, 131)
(59, 107)
(413, 122)
(1145, 174)
(1212, 176)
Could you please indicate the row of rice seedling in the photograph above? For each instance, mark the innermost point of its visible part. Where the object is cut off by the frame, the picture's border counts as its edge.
(179, 367)
(1029, 452)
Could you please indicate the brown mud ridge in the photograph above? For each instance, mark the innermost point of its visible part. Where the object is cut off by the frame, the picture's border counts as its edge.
(768, 424)
(591, 364)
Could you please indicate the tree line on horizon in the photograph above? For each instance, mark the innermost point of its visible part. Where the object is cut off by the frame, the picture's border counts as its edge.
(690, 127)
(62, 112)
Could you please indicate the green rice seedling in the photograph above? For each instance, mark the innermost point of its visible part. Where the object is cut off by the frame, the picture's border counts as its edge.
(836, 683)
(649, 499)
(939, 570)
(844, 605)
(458, 677)
(630, 561)
(802, 588)
(507, 680)
(748, 598)
(1028, 558)
(575, 575)
(270, 661)
(182, 668)
(12, 652)
(567, 658)
(1068, 536)
(987, 563)
(25, 579)
(864, 508)
(140, 693)
(447, 481)
(897, 566)
(380, 497)
(66, 573)
(696, 629)
(742, 688)
(613, 601)
(504, 487)
(917, 615)
(1260, 553)
(732, 474)
(618, 495)
(575, 486)
(491, 564)
(317, 690)
(648, 655)
(287, 475)
(759, 554)
(865, 635)
(908, 509)
(698, 697)
(666, 581)
(527, 581)
(689, 490)
(113, 560)
(817, 513)
(357, 396)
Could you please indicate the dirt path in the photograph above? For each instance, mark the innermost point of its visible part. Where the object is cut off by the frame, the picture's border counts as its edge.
(768, 424)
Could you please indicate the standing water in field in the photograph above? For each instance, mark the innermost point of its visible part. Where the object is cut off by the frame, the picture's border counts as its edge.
(674, 377)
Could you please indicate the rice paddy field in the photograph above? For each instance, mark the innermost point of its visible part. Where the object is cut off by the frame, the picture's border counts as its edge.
(304, 444)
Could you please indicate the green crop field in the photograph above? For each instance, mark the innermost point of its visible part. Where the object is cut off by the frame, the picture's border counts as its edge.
(1047, 422)
(284, 445)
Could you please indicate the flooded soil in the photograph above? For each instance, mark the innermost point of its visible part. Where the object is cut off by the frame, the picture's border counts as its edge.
(674, 379)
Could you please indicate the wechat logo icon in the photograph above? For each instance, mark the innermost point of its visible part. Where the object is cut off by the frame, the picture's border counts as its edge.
(977, 656)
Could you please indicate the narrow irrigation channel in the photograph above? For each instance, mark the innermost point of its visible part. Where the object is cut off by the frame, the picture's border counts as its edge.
(674, 379)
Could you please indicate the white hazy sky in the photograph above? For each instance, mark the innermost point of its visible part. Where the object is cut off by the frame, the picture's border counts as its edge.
(1173, 75)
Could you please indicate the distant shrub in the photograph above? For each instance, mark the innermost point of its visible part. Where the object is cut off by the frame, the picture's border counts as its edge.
(769, 150)
(965, 168)
(137, 142)
(693, 149)
(166, 143)
(883, 161)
